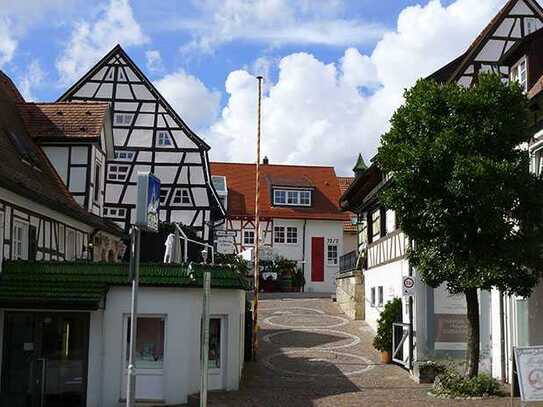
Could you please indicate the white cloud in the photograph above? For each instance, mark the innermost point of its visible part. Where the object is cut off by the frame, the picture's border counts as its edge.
(153, 61)
(90, 40)
(317, 113)
(8, 44)
(197, 105)
(275, 22)
(33, 76)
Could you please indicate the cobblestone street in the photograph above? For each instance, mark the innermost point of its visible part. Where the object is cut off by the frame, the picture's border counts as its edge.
(311, 355)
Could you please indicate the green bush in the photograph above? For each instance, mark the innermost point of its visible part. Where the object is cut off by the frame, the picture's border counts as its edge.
(391, 313)
(453, 384)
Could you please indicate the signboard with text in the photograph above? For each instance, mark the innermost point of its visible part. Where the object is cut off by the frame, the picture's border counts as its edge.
(148, 203)
(450, 321)
(529, 362)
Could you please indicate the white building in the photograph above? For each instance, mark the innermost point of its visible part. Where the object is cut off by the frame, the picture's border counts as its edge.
(299, 215)
(64, 338)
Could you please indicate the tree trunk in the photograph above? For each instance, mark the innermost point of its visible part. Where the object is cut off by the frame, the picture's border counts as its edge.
(473, 346)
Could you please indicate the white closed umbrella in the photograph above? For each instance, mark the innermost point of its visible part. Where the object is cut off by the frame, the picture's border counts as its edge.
(168, 258)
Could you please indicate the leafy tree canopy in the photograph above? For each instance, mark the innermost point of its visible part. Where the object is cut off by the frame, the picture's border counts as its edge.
(461, 185)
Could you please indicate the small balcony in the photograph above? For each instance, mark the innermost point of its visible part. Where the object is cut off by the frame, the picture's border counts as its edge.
(347, 262)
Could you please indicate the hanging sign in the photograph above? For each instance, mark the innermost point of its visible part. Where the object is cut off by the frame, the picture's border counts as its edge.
(529, 361)
(408, 286)
(148, 203)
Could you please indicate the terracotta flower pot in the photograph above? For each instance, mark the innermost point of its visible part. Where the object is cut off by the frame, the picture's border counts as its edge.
(386, 357)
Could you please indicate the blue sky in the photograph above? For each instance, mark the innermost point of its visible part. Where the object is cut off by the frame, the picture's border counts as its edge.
(335, 70)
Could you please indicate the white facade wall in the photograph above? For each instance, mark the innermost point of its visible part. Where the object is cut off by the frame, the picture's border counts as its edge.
(389, 277)
(182, 309)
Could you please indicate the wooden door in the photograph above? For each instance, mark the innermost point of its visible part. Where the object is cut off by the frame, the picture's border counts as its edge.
(317, 259)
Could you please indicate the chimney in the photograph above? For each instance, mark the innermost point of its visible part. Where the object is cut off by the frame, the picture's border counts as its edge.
(265, 160)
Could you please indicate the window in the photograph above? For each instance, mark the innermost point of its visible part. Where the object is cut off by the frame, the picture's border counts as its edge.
(61, 236)
(291, 197)
(390, 220)
(123, 119)
(163, 195)
(97, 183)
(375, 225)
(279, 197)
(214, 354)
(372, 296)
(248, 237)
(70, 245)
(305, 198)
(20, 240)
(124, 155)
(214, 350)
(149, 352)
(78, 245)
(181, 197)
(114, 212)
(292, 235)
(332, 254)
(279, 234)
(117, 172)
(164, 138)
(380, 296)
(519, 73)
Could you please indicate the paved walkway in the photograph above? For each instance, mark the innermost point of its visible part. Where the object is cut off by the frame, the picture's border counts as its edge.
(311, 355)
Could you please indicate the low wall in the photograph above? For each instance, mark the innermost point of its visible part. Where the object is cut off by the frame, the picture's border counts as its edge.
(350, 294)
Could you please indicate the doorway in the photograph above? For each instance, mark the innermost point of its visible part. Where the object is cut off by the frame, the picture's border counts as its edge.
(45, 359)
(317, 259)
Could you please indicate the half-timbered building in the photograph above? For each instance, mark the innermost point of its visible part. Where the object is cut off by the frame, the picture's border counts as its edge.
(39, 217)
(299, 215)
(149, 136)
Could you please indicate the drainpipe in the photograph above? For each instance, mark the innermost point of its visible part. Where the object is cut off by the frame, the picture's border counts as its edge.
(502, 339)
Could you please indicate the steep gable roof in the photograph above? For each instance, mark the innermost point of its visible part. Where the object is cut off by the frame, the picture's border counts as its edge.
(64, 120)
(500, 34)
(119, 56)
(241, 181)
(9, 88)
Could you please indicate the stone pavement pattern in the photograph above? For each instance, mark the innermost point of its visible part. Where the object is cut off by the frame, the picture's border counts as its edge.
(311, 355)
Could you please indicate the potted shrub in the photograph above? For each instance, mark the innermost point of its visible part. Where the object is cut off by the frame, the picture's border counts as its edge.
(427, 371)
(392, 312)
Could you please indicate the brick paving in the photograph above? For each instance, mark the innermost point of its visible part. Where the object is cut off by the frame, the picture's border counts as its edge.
(311, 355)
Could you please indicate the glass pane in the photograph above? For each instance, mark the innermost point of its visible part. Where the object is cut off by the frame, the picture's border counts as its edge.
(149, 352)
(214, 360)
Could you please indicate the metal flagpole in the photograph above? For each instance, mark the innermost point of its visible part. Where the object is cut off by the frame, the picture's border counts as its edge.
(134, 276)
(257, 222)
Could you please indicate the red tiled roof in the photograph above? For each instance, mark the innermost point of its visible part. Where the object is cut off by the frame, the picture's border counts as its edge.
(344, 183)
(241, 179)
(64, 119)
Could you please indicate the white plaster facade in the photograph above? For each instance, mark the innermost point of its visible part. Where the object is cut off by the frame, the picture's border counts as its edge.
(180, 376)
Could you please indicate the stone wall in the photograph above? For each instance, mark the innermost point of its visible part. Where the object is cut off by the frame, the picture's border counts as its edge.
(350, 294)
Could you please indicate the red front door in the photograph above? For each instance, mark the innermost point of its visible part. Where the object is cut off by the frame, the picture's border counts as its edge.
(317, 259)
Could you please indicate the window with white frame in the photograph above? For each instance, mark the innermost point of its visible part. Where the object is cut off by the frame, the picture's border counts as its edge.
(214, 354)
(123, 119)
(372, 296)
(124, 155)
(292, 235)
(380, 296)
(181, 196)
(291, 197)
(150, 340)
(20, 240)
(117, 172)
(163, 138)
(519, 72)
(248, 237)
(375, 225)
(332, 254)
(279, 234)
(390, 220)
(79, 245)
(61, 237)
(115, 212)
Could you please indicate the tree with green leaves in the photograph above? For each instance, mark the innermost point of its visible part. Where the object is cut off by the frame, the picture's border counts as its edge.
(462, 190)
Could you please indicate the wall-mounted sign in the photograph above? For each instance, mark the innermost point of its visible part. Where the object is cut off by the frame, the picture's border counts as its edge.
(529, 361)
(223, 233)
(408, 286)
(225, 245)
(148, 203)
(449, 320)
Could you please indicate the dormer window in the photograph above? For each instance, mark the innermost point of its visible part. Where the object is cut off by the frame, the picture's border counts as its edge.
(291, 197)
(519, 72)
